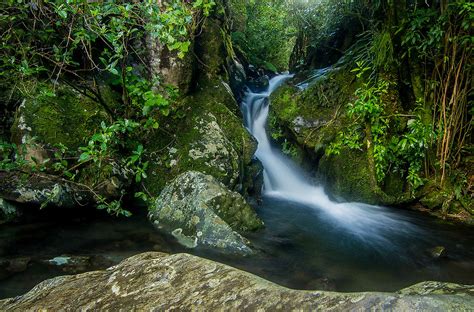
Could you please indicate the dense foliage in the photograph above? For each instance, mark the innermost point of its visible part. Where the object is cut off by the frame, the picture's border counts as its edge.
(86, 45)
(420, 51)
(264, 31)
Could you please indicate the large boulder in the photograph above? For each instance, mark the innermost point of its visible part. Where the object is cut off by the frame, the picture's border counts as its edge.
(205, 131)
(308, 113)
(209, 137)
(55, 117)
(59, 115)
(198, 210)
(157, 281)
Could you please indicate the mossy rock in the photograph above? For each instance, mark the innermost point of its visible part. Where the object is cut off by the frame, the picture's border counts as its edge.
(67, 117)
(210, 138)
(199, 210)
(313, 116)
(59, 114)
(347, 175)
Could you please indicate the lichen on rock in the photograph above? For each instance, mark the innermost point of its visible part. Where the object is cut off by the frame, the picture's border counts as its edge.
(210, 138)
(200, 211)
(157, 281)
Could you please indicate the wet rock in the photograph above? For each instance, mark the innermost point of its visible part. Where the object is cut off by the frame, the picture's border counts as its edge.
(40, 189)
(9, 267)
(259, 84)
(237, 79)
(198, 210)
(210, 138)
(433, 199)
(437, 252)
(157, 281)
(301, 123)
(73, 264)
(8, 211)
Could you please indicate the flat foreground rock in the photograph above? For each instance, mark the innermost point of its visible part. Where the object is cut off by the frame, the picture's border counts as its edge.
(157, 282)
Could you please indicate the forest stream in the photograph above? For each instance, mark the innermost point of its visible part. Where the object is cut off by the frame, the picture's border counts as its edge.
(309, 241)
(242, 155)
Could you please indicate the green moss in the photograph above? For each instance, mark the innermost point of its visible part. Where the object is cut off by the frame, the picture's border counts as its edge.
(320, 107)
(313, 117)
(212, 47)
(394, 184)
(347, 175)
(237, 213)
(60, 115)
(212, 109)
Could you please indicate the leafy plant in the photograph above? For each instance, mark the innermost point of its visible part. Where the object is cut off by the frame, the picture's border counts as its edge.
(80, 42)
(371, 123)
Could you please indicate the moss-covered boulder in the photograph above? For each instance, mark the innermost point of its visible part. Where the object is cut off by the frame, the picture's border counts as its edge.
(198, 210)
(58, 115)
(206, 133)
(209, 137)
(307, 114)
(347, 175)
(312, 112)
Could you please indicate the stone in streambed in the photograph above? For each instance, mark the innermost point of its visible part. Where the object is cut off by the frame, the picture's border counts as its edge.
(8, 211)
(437, 252)
(9, 267)
(200, 211)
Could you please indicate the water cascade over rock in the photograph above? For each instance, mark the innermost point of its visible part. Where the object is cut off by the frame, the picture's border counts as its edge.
(283, 180)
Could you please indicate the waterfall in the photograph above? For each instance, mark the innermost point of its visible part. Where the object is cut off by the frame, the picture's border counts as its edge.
(284, 180)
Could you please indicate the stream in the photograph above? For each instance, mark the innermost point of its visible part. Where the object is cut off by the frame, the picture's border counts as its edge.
(309, 242)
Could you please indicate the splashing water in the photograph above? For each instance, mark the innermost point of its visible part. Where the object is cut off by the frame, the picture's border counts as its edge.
(283, 180)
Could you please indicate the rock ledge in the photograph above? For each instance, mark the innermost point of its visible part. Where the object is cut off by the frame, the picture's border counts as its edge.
(156, 281)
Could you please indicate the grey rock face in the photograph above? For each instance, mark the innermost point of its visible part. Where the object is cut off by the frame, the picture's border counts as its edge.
(199, 210)
(158, 282)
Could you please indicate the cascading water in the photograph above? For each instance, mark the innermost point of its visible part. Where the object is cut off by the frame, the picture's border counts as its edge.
(283, 180)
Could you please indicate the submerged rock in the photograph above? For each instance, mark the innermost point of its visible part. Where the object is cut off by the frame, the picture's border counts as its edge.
(198, 210)
(8, 211)
(437, 252)
(259, 84)
(157, 281)
(12, 266)
(73, 264)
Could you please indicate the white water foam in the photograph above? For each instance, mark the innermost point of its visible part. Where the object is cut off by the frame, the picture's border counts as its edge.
(283, 180)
